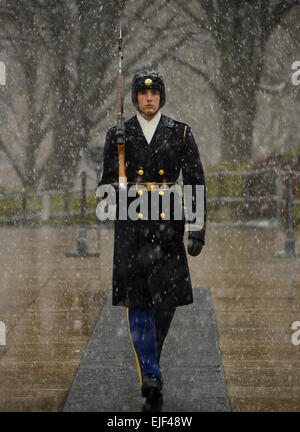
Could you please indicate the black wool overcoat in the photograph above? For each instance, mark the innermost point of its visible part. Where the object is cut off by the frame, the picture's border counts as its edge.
(150, 268)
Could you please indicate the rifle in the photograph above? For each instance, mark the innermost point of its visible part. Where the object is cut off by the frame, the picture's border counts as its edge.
(120, 133)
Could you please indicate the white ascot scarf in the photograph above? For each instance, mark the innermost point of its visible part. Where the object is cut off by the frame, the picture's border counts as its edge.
(149, 126)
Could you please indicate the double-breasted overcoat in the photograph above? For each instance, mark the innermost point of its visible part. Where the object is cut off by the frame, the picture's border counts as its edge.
(150, 268)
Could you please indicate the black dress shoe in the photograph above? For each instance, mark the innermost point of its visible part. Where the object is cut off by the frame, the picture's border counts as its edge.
(151, 387)
(152, 391)
(153, 405)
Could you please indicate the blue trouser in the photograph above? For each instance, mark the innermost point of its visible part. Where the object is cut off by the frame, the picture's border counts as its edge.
(148, 330)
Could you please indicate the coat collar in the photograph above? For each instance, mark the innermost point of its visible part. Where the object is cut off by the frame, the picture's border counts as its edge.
(161, 135)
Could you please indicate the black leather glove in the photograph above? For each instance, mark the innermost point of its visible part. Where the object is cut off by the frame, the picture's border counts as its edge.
(194, 246)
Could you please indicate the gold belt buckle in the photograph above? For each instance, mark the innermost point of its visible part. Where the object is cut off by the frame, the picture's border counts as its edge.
(150, 186)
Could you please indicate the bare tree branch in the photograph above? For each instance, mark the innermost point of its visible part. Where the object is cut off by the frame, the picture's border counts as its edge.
(42, 133)
(203, 74)
(12, 159)
(200, 22)
(12, 106)
(279, 12)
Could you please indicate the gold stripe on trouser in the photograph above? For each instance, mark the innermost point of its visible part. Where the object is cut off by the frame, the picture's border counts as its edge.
(135, 354)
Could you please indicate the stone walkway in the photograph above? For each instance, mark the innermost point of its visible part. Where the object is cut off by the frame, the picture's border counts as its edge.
(107, 378)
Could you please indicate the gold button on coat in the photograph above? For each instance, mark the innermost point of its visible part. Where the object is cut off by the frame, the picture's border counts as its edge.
(161, 172)
(141, 172)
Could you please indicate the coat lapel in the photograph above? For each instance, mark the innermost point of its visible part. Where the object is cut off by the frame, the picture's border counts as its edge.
(161, 136)
(135, 136)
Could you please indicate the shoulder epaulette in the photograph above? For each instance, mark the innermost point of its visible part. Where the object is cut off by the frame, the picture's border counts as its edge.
(185, 126)
(185, 129)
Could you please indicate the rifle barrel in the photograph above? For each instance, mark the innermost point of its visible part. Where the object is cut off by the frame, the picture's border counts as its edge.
(120, 133)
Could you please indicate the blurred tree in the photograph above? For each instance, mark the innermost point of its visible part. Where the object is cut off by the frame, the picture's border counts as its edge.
(82, 38)
(26, 119)
(240, 30)
(79, 41)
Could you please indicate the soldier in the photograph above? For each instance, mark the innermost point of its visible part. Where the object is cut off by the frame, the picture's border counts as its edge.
(150, 272)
